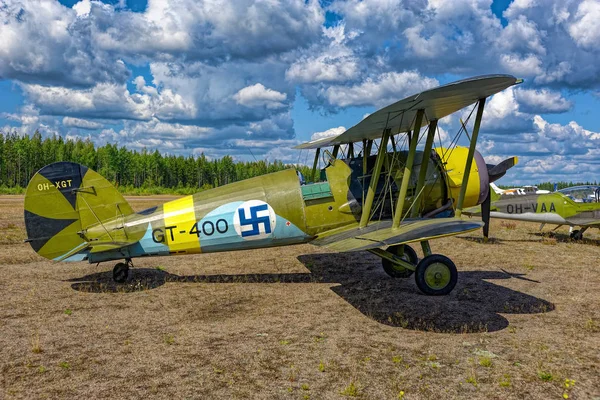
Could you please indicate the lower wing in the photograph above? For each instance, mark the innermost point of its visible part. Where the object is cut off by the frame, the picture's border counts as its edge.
(380, 234)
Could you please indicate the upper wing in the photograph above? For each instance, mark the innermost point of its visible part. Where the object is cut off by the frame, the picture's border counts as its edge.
(380, 233)
(437, 103)
(315, 144)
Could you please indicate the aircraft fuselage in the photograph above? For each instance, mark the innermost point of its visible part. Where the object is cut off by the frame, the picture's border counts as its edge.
(552, 208)
(270, 210)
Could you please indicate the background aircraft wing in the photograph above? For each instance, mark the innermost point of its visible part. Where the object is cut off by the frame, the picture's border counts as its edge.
(380, 233)
(437, 103)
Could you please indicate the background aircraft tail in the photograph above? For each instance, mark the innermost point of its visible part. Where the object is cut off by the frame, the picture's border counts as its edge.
(62, 200)
(496, 189)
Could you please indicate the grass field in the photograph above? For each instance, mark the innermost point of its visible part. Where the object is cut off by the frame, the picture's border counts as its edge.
(302, 323)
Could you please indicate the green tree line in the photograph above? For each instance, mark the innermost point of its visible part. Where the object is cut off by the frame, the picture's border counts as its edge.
(131, 171)
(562, 185)
(550, 185)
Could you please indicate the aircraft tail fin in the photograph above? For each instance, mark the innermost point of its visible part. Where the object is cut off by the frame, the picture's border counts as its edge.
(496, 189)
(62, 200)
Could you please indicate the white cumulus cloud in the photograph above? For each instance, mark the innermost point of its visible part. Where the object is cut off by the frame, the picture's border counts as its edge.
(380, 91)
(585, 29)
(106, 100)
(258, 95)
(81, 123)
(328, 133)
(541, 101)
(82, 8)
(334, 63)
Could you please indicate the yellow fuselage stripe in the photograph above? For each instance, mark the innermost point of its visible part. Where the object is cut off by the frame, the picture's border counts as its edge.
(180, 214)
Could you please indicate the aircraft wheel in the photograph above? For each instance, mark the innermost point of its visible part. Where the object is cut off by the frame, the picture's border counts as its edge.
(436, 275)
(576, 235)
(120, 272)
(397, 271)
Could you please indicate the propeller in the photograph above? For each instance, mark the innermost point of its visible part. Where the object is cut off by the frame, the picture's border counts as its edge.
(485, 214)
(495, 172)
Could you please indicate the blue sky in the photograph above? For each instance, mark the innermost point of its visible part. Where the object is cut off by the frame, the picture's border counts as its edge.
(191, 77)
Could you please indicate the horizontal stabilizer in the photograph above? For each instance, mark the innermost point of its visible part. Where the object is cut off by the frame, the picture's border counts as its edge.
(83, 246)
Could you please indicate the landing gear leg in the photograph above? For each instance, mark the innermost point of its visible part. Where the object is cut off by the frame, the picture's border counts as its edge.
(435, 275)
(406, 253)
(121, 271)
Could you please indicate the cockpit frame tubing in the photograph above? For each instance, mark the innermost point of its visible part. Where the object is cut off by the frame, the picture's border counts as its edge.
(315, 163)
(367, 144)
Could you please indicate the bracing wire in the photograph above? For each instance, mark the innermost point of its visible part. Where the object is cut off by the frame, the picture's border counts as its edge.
(252, 154)
(454, 141)
(378, 205)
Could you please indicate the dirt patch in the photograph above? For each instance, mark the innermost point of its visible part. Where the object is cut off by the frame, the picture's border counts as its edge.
(300, 322)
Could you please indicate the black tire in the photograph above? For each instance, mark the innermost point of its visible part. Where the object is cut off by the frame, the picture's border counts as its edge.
(576, 235)
(120, 272)
(397, 271)
(436, 275)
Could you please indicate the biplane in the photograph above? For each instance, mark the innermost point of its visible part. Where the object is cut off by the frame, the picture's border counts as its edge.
(576, 207)
(381, 199)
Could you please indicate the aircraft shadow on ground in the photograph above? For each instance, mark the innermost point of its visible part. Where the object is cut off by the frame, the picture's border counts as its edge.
(565, 238)
(495, 241)
(559, 237)
(475, 305)
(481, 240)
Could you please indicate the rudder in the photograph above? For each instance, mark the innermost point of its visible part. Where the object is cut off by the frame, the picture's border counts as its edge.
(61, 201)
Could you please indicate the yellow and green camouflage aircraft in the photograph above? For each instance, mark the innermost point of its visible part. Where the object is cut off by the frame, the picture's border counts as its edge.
(377, 201)
(577, 206)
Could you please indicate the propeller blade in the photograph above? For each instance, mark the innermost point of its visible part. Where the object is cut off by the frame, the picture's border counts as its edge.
(485, 214)
(497, 171)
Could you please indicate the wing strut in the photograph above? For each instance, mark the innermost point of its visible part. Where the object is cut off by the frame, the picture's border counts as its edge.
(336, 150)
(424, 164)
(407, 169)
(465, 182)
(366, 211)
(367, 144)
(350, 150)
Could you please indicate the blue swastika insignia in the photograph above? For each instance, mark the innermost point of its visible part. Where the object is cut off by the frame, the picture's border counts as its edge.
(255, 220)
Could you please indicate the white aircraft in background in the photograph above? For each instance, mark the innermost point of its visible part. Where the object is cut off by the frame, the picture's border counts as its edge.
(519, 191)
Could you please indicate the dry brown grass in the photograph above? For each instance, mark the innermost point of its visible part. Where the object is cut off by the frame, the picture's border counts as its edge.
(510, 225)
(299, 322)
